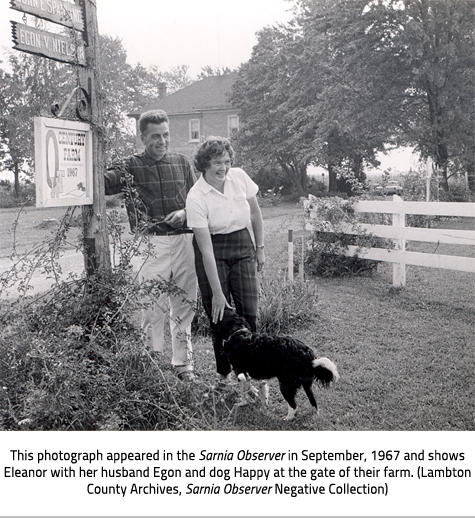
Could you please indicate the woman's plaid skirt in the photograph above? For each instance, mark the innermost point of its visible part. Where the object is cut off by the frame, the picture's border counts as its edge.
(235, 257)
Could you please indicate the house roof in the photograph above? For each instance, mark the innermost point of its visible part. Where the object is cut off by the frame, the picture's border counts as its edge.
(209, 93)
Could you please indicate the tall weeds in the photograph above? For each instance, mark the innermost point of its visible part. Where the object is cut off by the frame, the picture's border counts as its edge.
(74, 357)
(285, 305)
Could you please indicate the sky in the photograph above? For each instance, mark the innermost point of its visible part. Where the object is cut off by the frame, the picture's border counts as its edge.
(197, 33)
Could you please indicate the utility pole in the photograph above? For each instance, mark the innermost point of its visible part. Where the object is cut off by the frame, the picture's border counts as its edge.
(96, 242)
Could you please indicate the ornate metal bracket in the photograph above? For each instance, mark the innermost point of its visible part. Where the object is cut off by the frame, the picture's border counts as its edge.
(83, 104)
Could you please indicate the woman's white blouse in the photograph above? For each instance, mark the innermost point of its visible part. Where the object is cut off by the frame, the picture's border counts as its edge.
(221, 213)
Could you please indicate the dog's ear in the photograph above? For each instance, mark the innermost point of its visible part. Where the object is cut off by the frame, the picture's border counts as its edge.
(231, 322)
(230, 318)
(229, 313)
(222, 326)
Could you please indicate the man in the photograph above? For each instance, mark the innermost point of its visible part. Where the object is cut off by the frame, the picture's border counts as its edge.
(161, 181)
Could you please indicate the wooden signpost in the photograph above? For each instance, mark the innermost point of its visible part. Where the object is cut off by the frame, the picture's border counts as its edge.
(96, 237)
(57, 11)
(80, 48)
(50, 45)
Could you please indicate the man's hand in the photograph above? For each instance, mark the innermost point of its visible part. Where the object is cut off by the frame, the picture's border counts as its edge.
(176, 219)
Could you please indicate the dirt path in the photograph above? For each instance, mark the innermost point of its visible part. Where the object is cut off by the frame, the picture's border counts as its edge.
(71, 262)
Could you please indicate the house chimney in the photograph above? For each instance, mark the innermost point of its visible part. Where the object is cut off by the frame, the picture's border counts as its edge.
(162, 90)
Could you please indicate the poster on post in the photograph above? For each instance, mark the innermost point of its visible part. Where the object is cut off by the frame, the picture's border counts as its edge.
(63, 160)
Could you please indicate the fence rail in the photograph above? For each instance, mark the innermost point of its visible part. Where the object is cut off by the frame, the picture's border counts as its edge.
(400, 234)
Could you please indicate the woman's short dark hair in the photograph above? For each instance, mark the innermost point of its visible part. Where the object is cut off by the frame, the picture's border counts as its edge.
(213, 147)
(154, 116)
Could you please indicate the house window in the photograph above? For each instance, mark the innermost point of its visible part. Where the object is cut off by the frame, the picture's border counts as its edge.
(194, 130)
(233, 124)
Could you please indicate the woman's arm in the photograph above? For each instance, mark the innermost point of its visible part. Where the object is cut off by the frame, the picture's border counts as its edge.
(258, 230)
(219, 303)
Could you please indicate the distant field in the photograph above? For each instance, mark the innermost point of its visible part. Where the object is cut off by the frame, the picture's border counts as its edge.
(29, 230)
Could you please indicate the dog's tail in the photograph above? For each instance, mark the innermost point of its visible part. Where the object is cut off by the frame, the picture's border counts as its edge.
(325, 371)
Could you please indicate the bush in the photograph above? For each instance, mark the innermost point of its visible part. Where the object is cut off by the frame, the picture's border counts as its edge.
(74, 358)
(8, 198)
(458, 192)
(315, 186)
(329, 264)
(269, 199)
(283, 306)
(414, 184)
(286, 305)
(334, 229)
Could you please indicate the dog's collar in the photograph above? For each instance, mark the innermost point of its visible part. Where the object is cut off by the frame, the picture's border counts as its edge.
(237, 332)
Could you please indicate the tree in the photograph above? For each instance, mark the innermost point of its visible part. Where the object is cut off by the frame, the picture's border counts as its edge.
(351, 116)
(208, 70)
(27, 91)
(120, 88)
(439, 40)
(35, 83)
(403, 67)
(147, 83)
(296, 105)
(272, 130)
(3, 110)
(125, 88)
(347, 77)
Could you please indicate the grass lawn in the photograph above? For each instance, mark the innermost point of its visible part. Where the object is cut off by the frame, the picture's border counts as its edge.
(405, 357)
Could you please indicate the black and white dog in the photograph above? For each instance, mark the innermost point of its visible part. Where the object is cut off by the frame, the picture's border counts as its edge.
(262, 356)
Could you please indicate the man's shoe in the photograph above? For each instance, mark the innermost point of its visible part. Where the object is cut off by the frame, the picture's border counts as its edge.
(185, 374)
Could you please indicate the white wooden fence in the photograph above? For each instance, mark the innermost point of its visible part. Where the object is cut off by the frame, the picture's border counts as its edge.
(400, 234)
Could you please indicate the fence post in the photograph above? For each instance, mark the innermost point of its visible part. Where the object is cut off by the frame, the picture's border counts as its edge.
(302, 260)
(428, 177)
(291, 256)
(399, 269)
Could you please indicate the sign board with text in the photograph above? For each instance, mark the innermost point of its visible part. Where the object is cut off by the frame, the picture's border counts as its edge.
(63, 163)
(58, 11)
(50, 45)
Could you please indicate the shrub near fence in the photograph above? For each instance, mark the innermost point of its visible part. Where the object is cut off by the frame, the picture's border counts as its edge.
(400, 234)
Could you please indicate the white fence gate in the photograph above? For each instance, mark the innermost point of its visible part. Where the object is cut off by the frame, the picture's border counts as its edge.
(400, 234)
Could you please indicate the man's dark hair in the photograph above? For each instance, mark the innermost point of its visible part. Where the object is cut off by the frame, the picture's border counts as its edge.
(154, 116)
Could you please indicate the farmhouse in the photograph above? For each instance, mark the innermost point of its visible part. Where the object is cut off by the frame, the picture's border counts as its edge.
(199, 110)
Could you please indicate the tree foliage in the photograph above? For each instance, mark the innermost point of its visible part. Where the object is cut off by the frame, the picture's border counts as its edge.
(273, 131)
(439, 43)
(411, 68)
(347, 77)
(32, 84)
(208, 70)
(27, 91)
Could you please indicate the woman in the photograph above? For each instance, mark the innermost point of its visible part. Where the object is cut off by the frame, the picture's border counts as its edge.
(219, 208)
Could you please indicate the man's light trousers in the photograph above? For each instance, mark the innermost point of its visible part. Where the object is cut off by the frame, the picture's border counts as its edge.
(174, 262)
